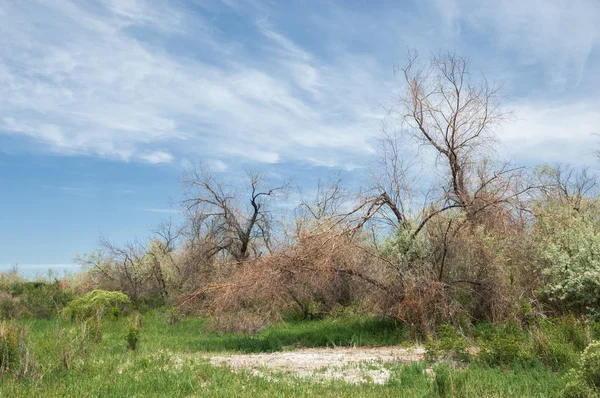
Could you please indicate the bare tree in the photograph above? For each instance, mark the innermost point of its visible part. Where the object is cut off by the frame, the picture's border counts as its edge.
(453, 116)
(119, 267)
(445, 110)
(567, 184)
(219, 215)
(161, 254)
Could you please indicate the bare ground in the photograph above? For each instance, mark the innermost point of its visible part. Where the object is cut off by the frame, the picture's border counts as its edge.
(354, 365)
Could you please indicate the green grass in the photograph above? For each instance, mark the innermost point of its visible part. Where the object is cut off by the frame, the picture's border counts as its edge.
(332, 332)
(169, 362)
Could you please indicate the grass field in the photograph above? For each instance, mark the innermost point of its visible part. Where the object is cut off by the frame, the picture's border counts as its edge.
(171, 361)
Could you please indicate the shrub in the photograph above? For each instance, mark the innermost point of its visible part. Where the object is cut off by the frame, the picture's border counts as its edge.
(442, 384)
(450, 345)
(41, 299)
(584, 380)
(558, 342)
(10, 336)
(72, 345)
(10, 307)
(132, 335)
(115, 313)
(94, 303)
(172, 315)
(15, 357)
(92, 306)
(590, 364)
(576, 387)
(567, 243)
(507, 345)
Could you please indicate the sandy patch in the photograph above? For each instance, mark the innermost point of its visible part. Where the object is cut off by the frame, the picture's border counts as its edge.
(354, 365)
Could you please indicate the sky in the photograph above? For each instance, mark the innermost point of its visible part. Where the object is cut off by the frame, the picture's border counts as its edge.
(104, 103)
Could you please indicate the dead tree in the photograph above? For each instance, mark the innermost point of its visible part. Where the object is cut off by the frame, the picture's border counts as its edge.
(452, 116)
(220, 215)
(567, 184)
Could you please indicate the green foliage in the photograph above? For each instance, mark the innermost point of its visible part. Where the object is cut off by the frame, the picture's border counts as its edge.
(576, 387)
(590, 364)
(132, 334)
(403, 249)
(115, 312)
(558, 342)
(72, 345)
(10, 308)
(442, 381)
(567, 243)
(506, 345)
(15, 357)
(40, 299)
(92, 306)
(584, 380)
(170, 362)
(172, 315)
(94, 303)
(10, 336)
(450, 345)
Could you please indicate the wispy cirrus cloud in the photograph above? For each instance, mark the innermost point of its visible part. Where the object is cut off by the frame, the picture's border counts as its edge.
(162, 210)
(233, 82)
(83, 81)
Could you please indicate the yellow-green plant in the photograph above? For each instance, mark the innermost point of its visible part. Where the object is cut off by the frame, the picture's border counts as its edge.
(92, 306)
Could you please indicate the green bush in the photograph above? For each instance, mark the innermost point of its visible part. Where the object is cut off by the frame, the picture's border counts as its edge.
(590, 364)
(567, 243)
(450, 345)
(559, 342)
(92, 306)
(506, 345)
(41, 299)
(132, 335)
(10, 308)
(115, 313)
(576, 387)
(71, 344)
(442, 381)
(584, 380)
(172, 315)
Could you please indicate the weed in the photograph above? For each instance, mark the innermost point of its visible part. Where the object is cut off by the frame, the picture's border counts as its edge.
(450, 345)
(132, 335)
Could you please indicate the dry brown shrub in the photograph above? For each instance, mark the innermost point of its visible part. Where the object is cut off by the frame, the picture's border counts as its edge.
(314, 275)
(423, 305)
(467, 273)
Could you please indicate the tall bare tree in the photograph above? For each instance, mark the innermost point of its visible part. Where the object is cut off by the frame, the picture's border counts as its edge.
(220, 215)
(453, 115)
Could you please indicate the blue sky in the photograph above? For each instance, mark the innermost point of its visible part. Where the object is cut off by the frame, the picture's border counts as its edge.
(103, 103)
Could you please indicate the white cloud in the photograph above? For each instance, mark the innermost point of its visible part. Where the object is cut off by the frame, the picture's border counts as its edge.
(550, 133)
(145, 81)
(157, 157)
(218, 165)
(86, 86)
(558, 35)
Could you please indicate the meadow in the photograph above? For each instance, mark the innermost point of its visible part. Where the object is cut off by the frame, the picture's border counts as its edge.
(173, 360)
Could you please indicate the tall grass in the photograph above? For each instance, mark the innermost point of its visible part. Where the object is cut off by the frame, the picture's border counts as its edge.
(170, 361)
